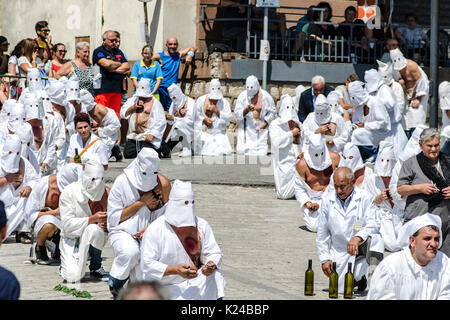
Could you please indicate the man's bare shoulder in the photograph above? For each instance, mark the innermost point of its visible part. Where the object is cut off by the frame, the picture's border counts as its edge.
(302, 167)
(335, 158)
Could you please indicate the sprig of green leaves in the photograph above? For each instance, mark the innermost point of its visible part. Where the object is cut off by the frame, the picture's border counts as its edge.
(73, 291)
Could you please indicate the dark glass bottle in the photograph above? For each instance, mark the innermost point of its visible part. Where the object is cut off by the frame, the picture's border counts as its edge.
(348, 284)
(77, 158)
(309, 280)
(333, 285)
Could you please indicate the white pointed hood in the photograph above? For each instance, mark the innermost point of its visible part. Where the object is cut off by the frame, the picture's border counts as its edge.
(17, 117)
(412, 147)
(143, 171)
(385, 71)
(143, 89)
(251, 86)
(68, 174)
(444, 95)
(177, 96)
(385, 160)
(93, 178)
(358, 94)
(373, 80)
(10, 155)
(398, 60)
(180, 210)
(414, 225)
(34, 81)
(322, 110)
(87, 100)
(351, 157)
(215, 90)
(46, 103)
(316, 153)
(73, 90)
(287, 111)
(7, 107)
(57, 92)
(334, 103)
(33, 106)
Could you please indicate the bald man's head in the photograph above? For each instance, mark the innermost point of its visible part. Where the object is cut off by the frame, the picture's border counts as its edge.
(344, 180)
(172, 45)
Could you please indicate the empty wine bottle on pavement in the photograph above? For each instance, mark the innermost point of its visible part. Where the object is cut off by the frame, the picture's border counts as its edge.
(348, 284)
(333, 285)
(309, 280)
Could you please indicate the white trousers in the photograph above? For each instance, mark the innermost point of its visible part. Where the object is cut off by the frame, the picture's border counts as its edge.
(127, 255)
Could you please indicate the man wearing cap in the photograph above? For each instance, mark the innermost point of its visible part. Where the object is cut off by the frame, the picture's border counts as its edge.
(312, 177)
(180, 123)
(347, 219)
(137, 198)
(105, 123)
(82, 207)
(179, 250)
(9, 286)
(146, 119)
(371, 122)
(416, 86)
(213, 116)
(17, 178)
(329, 124)
(42, 209)
(255, 110)
(419, 271)
(285, 135)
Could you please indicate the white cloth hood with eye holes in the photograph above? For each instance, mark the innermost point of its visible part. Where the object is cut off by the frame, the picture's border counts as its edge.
(398, 60)
(8, 106)
(143, 89)
(316, 153)
(68, 174)
(322, 110)
(444, 95)
(215, 90)
(333, 100)
(373, 80)
(34, 81)
(73, 90)
(57, 92)
(358, 94)
(17, 117)
(351, 157)
(87, 100)
(10, 159)
(142, 172)
(93, 178)
(385, 160)
(251, 86)
(414, 225)
(412, 147)
(177, 96)
(180, 210)
(46, 103)
(385, 70)
(33, 106)
(287, 111)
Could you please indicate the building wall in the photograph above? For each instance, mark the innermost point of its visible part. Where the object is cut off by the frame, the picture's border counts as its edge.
(69, 19)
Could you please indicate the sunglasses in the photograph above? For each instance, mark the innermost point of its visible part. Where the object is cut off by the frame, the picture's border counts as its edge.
(45, 30)
(62, 51)
(113, 40)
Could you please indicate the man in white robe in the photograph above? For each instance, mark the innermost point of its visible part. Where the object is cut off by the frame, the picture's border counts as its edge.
(181, 118)
(42, 210)
(376, 87)
(419, 271)
(326, 123)
(213, 116)
(17, 179)
(285, 137)
(180, 251)
(137, 198)
(347, 219)
(255, 110)
(312, 178)
(82, 206)
(444, 104)
(371, 122)
(14, 123)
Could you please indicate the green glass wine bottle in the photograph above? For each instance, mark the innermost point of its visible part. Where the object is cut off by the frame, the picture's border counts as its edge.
(333, 284)
(348, 284)
(309, 280)
(77, 158)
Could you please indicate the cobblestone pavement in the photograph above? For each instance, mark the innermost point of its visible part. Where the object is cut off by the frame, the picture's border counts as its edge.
(265, 245)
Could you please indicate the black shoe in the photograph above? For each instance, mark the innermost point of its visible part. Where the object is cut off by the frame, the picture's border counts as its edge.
(55, 239)
(361, 284)
(114, 292)
(116, 153)
(41, 255)
(165, 150)
(100, 274)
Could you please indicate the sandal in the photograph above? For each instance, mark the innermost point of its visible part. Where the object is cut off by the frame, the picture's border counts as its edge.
(23, 237)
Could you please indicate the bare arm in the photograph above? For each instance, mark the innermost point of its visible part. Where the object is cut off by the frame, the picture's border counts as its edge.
(67, 68)
(109, 65)
(123, 69)
(157, 57)
(157, 84)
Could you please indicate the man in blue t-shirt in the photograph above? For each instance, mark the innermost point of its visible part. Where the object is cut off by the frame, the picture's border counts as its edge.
(9, 286)
(169, 60)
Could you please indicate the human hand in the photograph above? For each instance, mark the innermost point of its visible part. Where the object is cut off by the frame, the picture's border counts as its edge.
(360, 124)
(209, 268)
(149, 138)
(182, 111)
(170, 117)
(427, 188)
(186, 271)
(415, 103)
(99, 217)
(25, 192)
(330, 143)
(12, 178)
(139, 234)
(208, 122)
(188, 60)
(295, 132)
(327, 267)
(312, 206)
(352, 245)
(104, 226)
(149, 200)
(263, 126)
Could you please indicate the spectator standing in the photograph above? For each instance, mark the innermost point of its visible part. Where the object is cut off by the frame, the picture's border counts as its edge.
(412, 37)
(113, 68)
(4, 44)
(28, 59)
(13, 65)
(59, 52)
(170, 63)
(147, 68)
(44, 39)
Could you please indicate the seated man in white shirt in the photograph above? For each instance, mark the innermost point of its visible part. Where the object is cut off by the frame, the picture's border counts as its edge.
(85, 143)
(420, 271)
(179, 250)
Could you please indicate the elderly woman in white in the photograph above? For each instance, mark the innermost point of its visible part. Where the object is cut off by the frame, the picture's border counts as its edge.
(180, 122)
(327, 123)
(179, 250)
(255, 110)
(146, 119)
(285, 136)
(213, 116)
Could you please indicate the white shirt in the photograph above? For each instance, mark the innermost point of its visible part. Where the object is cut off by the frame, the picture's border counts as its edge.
(98, 148)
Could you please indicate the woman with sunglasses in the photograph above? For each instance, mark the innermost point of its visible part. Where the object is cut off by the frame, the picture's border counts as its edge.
(58, 53)
(28, 59)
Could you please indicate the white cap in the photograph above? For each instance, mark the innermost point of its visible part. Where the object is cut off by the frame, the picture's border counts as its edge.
(73, 90)
(33, 106)
(34, 81)
(17, 117)
(413, 225)
(180, 210)
(57, 92)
